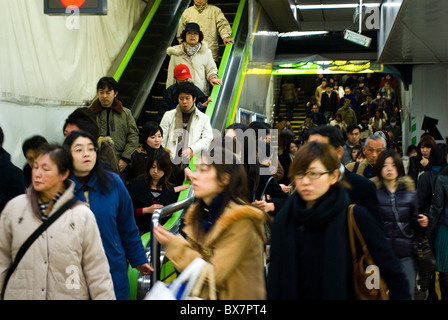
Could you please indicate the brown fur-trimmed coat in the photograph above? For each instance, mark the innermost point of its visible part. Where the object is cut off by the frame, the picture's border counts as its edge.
(235, 248)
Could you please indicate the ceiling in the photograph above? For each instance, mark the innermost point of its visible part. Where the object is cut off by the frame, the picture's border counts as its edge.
(417, 34)
(412, 33)
(329, 46)
(328, 19)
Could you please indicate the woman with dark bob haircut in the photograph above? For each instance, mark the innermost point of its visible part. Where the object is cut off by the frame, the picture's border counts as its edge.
(424, 159)
(310, 251)
(153, 190)
(398, 205)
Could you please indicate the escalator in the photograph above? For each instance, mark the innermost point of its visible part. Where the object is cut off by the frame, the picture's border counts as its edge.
(154, 99)
(138, 73)
(142, 83)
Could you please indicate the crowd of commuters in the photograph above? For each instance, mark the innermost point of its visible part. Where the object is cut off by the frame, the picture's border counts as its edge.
(272, 224)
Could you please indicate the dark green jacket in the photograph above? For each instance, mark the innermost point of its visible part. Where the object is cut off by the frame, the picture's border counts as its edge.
(122, 127)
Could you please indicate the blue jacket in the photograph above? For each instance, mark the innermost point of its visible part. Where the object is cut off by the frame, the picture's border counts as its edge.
(114, 214)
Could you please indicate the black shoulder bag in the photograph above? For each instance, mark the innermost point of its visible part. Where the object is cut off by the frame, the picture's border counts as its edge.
(269, 220)
(33, 237)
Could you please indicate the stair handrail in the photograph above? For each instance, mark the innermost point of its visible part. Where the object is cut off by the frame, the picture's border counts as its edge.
(156, 217)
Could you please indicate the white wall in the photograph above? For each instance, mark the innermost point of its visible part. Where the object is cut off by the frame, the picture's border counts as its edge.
(50, 67)
(20, 122)
(429, 97)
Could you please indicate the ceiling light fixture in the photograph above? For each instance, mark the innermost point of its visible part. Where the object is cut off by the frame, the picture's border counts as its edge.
(301, 33)
(335, 6)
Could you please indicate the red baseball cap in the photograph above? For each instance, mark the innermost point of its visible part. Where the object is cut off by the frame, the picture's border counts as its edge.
(181, 72)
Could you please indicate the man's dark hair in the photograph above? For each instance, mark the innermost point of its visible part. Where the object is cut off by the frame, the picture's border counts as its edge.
(33, 143)
(257, 126)
(188, 88)
(237, 125)
(107, 83)
(334, 134)
(85, 120)
(352, 127)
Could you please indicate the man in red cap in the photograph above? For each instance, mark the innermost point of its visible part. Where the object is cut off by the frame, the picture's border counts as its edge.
(170, 97)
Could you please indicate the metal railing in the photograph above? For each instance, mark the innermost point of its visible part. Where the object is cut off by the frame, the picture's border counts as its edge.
(155, 248)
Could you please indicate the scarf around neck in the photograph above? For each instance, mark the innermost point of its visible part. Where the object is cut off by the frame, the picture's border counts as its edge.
(181, 134)
(191, 51)
(329, 212)
(200, 8)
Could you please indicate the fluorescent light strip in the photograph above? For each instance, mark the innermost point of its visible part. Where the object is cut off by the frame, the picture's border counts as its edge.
(301, 33)
(334, 6)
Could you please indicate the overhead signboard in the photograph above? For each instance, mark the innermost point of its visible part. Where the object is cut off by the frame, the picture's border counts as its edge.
(328, 67)
(96, 7)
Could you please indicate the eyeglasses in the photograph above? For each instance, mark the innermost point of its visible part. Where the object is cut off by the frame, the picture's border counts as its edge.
(312, 175)
(81, 150)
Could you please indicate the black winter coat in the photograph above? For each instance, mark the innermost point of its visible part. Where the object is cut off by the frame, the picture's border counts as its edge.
(399, 211)
(273, 190)
(439, 208)
(310, 253)
(12, 180)
(141, 196)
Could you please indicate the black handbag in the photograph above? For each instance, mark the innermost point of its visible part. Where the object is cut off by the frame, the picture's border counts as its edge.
(269, 219)
(424, 256)
(33, 237)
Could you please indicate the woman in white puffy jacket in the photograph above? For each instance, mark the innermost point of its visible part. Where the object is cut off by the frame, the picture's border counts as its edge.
(67, 261)
(197, 56)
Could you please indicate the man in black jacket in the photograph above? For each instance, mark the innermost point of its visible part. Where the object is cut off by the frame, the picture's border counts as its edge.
(12, 182)
(363, 191)
(170, 97)
(329, 103)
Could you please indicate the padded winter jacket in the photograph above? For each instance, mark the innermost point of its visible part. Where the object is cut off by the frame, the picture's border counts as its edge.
(212, 23)
(399, 211)
(66, 262)
(201, 64)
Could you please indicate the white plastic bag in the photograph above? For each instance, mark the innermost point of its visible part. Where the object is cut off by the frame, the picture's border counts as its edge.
(180, 288)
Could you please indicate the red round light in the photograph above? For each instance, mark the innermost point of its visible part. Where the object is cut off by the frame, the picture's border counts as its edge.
(76, 3)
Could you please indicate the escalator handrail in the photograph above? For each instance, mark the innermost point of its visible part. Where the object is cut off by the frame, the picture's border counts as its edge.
(215, 91)
(225, 58)
(136, 41)
(185, 195)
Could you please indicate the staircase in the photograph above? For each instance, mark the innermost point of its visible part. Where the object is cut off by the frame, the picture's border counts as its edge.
(298, 114)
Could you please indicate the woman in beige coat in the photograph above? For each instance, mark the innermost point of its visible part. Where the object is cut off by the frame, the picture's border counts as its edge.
(67, 261)
(223, 229)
